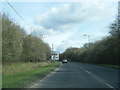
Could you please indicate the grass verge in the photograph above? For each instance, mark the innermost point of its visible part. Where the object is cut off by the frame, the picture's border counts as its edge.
(105, 65)
(21, 79)
(110, 66)
(13, 68)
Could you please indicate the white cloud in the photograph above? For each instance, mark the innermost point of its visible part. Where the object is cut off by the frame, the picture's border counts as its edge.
(61, 18)
(66, 22)
(73, 14)
(62, 0)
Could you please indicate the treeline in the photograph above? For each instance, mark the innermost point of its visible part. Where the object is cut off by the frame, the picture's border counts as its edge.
(17, 46)
(105, 51)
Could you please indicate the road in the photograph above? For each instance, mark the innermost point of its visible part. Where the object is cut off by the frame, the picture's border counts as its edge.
(79, 75)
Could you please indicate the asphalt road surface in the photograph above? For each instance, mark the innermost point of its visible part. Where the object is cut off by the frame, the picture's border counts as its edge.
(79, 75)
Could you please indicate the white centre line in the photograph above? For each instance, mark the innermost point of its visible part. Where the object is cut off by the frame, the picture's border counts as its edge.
(96, 77)
(88, 72)
(109, 85)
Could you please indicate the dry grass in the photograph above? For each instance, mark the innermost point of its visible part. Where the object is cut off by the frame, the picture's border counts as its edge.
(20, 75)
(13, 68)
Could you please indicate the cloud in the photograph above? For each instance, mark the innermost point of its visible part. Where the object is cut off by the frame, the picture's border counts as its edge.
(61, 0)
(61, 18)
(70, 15)
(68, 22)
(40, 29)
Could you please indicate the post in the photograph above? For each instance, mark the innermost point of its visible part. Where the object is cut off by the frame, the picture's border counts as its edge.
(52, 48)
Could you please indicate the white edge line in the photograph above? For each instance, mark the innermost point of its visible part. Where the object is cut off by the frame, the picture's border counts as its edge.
(97, 78)
(32, 86)
(109, 85)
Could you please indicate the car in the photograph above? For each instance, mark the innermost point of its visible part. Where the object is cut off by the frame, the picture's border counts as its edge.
(64, 61)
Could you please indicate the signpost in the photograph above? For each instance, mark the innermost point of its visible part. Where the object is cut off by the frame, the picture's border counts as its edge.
(55, 56)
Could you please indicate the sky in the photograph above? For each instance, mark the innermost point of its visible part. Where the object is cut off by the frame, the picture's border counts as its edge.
(64, 23)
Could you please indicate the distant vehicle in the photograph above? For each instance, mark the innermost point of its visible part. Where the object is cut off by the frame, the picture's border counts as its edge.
(64, 61)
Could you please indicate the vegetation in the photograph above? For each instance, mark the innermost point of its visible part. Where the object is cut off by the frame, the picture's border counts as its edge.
(111, 66)
(20, 75)
(17, 46)
(0, 51)
(14, 68)
(105, 51)
(25, 57)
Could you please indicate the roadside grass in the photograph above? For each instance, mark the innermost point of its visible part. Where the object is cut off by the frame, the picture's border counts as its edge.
(105, 65)
(12, 68)
(21, 79)
(110, 66)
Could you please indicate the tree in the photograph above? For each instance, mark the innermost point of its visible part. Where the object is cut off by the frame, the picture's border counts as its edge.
(17, 46)
(11, 40)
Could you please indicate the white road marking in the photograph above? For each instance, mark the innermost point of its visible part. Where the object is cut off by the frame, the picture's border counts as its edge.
(97, 77)
(109, 85)
(88, 72)
(40, 81)
(36, 84)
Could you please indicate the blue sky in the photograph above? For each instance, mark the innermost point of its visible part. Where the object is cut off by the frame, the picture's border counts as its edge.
(65, 23)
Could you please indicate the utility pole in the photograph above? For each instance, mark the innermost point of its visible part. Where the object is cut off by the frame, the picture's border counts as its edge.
(52, 47)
